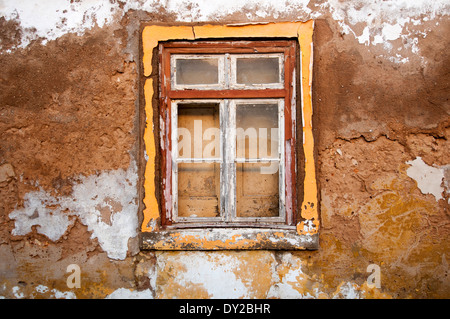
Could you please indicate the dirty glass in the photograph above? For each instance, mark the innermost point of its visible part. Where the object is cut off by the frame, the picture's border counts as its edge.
(197, 71)
(198, 140)
(198, 190)
(257, 182)
(258, 70)
(198, 131)
(256, 191)
(257, 131)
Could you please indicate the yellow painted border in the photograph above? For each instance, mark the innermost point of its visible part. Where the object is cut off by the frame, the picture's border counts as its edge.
(303, 31)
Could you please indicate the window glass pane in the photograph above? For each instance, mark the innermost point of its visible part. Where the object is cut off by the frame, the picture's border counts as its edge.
(257, 131)
(197, 71)
(198, 189)
(198, 131)
(257, 70)
(257, 189)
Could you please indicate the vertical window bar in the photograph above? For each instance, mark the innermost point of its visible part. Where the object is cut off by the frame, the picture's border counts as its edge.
(223, 153)
(281, 183)
(174, 153)
(230, 154)
(227, 70)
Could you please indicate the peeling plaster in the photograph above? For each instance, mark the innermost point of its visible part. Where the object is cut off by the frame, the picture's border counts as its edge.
(285, 288)
(53, 215)
(41, 210)
(123, 293)
(246, 275)
(429, 179)
(212, 273)
(384, 21)
(61, 17)
(347, 290)
(54, 293)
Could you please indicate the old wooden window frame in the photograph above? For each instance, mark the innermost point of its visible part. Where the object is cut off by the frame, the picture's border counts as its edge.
(298, 233)
(227, 160)
(227, 52)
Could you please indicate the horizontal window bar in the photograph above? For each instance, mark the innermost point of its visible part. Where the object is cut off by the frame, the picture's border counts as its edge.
(256, 160)
(198, 160)
(228, 94)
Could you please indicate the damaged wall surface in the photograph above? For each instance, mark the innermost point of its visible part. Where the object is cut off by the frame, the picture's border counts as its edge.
(72, 155)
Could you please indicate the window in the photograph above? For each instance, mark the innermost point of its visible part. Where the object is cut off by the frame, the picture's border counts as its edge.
(227, 146)
(226, 107)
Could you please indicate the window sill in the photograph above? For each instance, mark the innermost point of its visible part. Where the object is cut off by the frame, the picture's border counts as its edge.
(228, 239)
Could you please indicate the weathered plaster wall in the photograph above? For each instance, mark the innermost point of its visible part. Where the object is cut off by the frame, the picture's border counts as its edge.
(71, 156)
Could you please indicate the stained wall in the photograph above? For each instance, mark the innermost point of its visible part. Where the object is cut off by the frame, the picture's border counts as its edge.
(72, 155)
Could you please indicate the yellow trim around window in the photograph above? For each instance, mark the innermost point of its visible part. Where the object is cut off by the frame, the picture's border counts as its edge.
(303, 31)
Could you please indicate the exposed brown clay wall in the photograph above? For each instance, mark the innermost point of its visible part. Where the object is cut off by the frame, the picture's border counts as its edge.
(71, 158)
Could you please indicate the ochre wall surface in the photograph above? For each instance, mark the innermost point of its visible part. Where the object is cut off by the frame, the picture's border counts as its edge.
(73, 155)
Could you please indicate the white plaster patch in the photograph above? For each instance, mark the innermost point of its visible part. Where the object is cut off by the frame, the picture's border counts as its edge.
(54, 18)
(123, 293)
(93, 192)
(284, 289)
(213, 272)
(206, 10)
(62, 17)
(428, 178)
(43, 211)
(55, 293)
(387, 20)
(41, 289)
(63, 295)
(384, 20)
(51, 215)
(292, 282)
(17, 293)
(347, 291)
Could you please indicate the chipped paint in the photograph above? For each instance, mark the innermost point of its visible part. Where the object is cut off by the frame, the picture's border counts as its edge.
(150, 202)
(220, 239)
(309, 206)
(247, 274)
